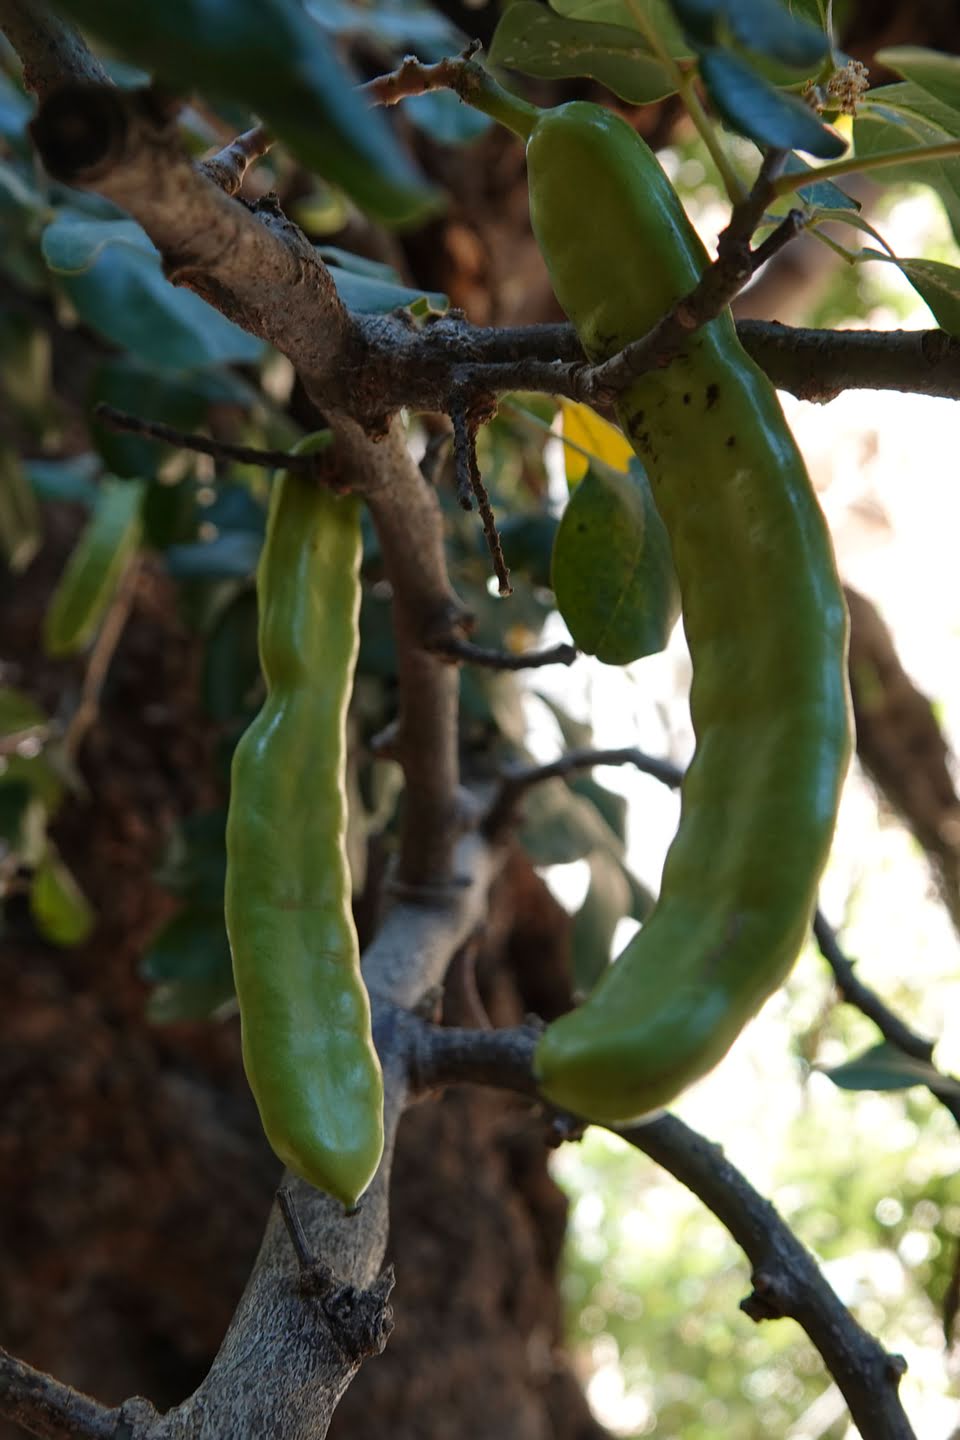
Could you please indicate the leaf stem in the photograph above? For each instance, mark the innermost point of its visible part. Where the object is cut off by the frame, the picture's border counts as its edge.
(467, 78)
(855, 164)
(685, 81)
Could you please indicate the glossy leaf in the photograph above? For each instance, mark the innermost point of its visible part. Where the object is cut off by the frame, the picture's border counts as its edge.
(753, 107)
(271, 56)
(93, 573)
(884, 1067)
(612, 570)
(113, 276)
(532, 39)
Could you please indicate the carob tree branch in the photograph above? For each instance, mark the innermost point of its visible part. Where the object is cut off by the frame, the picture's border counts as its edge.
(786, 1279)
(465, 650)
(895, 1031)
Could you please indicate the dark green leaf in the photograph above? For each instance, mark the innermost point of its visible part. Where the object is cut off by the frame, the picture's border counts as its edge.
(528, 545)
(192, 946)
(532, 39)
(884, 1067)
(15, 800)
(271, 56)
(195, 865)
(38, 774)
(170, 514)
(113, 276)
(753, 107)
(612, 570)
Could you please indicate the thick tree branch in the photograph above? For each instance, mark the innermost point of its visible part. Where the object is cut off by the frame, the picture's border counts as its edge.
(50, 49)
(408, 522)
(251, 263)
(820, 364)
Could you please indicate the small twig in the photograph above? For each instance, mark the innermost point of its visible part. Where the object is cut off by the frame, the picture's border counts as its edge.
(104, 647)
(229, 166)
(894, 1030)
(746, 216)
(789, 228)
(456, 649)
(467, 417)
(465, 77)
(301, 1248)
(219, 449)
(719, 284)
(517, 781)
(465, 456)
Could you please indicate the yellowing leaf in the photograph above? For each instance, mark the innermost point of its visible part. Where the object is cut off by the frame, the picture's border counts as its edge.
(596, 437)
